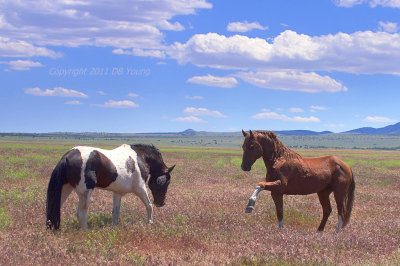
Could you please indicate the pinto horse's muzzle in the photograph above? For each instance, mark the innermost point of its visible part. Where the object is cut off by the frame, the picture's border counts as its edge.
(159, 204)
(246, 168)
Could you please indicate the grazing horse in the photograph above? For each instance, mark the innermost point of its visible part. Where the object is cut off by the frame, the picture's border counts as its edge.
(122, 170)
(291, 174)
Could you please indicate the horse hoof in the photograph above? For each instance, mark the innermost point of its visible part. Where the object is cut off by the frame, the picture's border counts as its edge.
(249, 209)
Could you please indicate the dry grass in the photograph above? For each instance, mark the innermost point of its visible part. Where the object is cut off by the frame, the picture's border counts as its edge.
(203, 221)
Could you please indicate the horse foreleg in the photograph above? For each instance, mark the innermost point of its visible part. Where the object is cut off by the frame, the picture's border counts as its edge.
(326, 207)
(83, 206)
(278, 200)
(144, 197)
(116, 207)
(252, 199)
(272, 186)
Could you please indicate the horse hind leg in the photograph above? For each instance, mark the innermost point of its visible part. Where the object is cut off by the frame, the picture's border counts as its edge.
(278, 200)
(83, 206)
(66, 190)
(326, 207)
(339, 198)
(116, 207)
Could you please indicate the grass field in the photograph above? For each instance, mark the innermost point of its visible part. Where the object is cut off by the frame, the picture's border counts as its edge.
(203, 221)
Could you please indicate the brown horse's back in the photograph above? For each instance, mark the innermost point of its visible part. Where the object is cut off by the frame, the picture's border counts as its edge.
(314, 174)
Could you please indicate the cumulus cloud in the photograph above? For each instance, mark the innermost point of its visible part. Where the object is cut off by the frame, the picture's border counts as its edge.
(378, 119)
(190, 119)
(133, 95)
(195, 97)
(244, 26)
(292, 81)
(20, 48)
(120, 24)
(203, 112)
(118, 104)
(213, 81)
(22, 64)
(141, 52)
(276, 116)
(73, 102)
(363, 52)
(296, 110)
(58, 92)
(372, 3)
(388, 26)
(315, 108)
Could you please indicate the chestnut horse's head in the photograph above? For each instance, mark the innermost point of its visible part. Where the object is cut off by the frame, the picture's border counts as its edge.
(252, 150)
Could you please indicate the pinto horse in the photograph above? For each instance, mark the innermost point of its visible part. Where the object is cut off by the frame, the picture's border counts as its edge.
(291, 174)
(122, 170)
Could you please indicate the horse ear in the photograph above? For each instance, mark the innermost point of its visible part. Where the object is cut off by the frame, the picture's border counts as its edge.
(244, 133)
(171, 168)
(251, 132)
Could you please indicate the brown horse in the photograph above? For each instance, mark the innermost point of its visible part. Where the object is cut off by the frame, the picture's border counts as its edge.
(291, 174)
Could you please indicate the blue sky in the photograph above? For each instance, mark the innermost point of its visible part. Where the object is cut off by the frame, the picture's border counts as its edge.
(162, 66)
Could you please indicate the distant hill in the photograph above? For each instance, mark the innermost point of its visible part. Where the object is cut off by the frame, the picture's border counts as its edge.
(388, 130)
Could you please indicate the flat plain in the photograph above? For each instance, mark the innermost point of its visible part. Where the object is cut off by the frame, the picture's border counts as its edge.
(203, 221)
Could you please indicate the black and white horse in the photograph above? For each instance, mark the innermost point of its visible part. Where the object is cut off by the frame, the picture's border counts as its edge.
(122, 170)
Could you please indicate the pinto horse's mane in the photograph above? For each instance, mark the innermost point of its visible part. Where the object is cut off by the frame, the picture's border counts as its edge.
(152, 157)
(280, 149)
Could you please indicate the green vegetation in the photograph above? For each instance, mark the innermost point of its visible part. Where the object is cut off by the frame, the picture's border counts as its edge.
(203, 221)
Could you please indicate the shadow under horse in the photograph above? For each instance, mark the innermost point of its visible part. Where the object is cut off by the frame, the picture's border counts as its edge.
(288, 173)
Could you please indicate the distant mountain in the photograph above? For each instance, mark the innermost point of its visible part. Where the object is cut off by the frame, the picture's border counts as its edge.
(188, 132)
(388, 130)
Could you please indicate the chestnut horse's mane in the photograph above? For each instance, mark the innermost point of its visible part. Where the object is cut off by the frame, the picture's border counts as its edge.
(280, 150)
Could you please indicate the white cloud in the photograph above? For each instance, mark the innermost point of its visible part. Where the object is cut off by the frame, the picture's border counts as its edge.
(101, 93)
(292, 81)
(73, 102)
(391, 27)
(20, 48)
(363, 52)
(133, 95)
(22, 64)
(244, 26)
(190, 119)
(120, 24)
(59, 92)
(203, 112)
(212, 81)
(141, 52)
(378, 119)
(372, 3)
(196, 97)
(276, 116)
(317, 108)
(296, 110)
(118, 104)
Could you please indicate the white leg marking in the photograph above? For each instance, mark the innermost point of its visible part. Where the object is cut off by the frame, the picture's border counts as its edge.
(280, 224)
(252, 199)
(116, 207)
(83, 206)
(66, 190)
(144, 197)
(340, 223)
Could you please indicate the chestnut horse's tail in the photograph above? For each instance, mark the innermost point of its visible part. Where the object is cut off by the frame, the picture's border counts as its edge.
(348, 204)
(54, 189)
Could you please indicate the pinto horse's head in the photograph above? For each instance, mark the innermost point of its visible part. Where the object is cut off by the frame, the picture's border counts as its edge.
(252, 150)
(159, 187)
